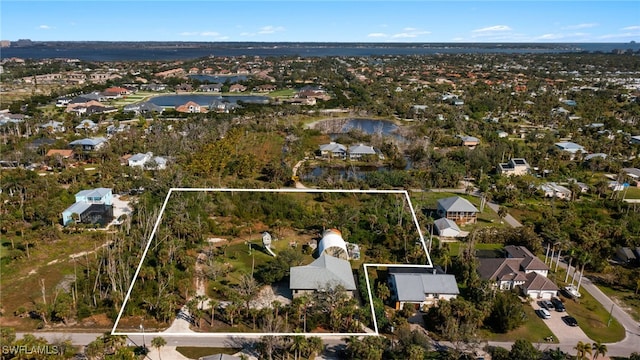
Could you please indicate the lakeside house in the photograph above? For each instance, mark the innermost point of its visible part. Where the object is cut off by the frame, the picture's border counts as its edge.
(333, 150)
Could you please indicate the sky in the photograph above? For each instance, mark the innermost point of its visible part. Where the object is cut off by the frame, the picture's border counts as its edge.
(416, 21)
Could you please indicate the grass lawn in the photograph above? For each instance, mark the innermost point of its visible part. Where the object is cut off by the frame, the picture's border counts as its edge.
(193, 352)
(591, 315)
(282, 93)
(625, 298)
(455, 248)
(534, 329)
(632, 193)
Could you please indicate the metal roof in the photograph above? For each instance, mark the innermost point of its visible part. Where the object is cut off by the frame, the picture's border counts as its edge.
(325, 272)
(414, 286)
(457, 204)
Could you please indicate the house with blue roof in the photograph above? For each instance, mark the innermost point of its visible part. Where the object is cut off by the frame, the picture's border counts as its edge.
(88, 144)
(91, 207)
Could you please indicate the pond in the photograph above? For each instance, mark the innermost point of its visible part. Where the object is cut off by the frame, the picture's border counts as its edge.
(204, 100)
(344, 125)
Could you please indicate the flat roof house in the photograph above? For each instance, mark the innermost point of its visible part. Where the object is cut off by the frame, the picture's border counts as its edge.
(515, 167)
(458, 209)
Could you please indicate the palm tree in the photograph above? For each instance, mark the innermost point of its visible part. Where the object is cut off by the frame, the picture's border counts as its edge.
(298, 346)
(158, 343)
(446, 260)
(599, 349)
(585, 259)
(582, 350)
(213, 304)
(572, 253)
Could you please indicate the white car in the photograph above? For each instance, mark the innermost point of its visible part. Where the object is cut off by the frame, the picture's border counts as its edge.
(544, 313)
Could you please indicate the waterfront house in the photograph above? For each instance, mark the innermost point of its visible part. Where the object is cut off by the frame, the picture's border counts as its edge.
(191, 107)
(333, 150)
(360, 150)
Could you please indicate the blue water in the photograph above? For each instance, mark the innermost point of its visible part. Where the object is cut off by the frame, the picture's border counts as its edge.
(205, 100)
(370, 126)
(138, 51)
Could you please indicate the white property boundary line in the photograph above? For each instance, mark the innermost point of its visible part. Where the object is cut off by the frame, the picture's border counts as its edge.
(197, 334)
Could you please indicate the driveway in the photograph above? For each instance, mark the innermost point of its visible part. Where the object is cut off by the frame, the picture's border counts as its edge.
(562, 332)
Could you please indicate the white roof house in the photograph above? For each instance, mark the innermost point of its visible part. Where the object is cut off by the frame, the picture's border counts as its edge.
(447, 228)
(570, 147)
(333, 244)
(147, 161)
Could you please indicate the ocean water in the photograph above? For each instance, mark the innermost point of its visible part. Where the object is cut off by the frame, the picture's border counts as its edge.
(135, 52)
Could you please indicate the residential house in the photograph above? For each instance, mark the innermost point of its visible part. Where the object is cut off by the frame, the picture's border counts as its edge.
(570, 147)
(222, 105)
(87, 125)
(147, 161)
(265, 88)
(191, 107)
(457, 209)
(61, 153)
(91, 207)
(40, 142)
(470, 141)
(420, 287)
(596, 155)
(324, 273)
(360, 150)
(215, 88)
(153, 87)
(333, 150)
(88, 144)
(447, 228)
(552, 189)
(112, 129)
(514, 167)
(53, 126)
(237, 88)
(519, 268)
(635, 139)
(145, 107)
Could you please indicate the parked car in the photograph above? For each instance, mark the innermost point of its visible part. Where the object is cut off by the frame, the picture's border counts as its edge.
(544, 313)
(558, 305)
(546, 304)
(570, 320)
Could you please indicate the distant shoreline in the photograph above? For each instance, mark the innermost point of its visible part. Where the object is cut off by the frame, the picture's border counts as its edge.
(159, 51)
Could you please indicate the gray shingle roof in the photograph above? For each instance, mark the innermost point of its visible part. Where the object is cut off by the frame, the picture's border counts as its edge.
(457, 204)
(325, 271)
(444, 223)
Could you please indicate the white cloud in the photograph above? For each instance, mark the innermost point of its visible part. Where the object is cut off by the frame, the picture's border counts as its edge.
(410, 34)
(550, 37)
(626, 35)
(377, 35)
(491, 29)
(45, 27)
(580, 26)
(270, 29)
(631, 28)
(213, 34)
